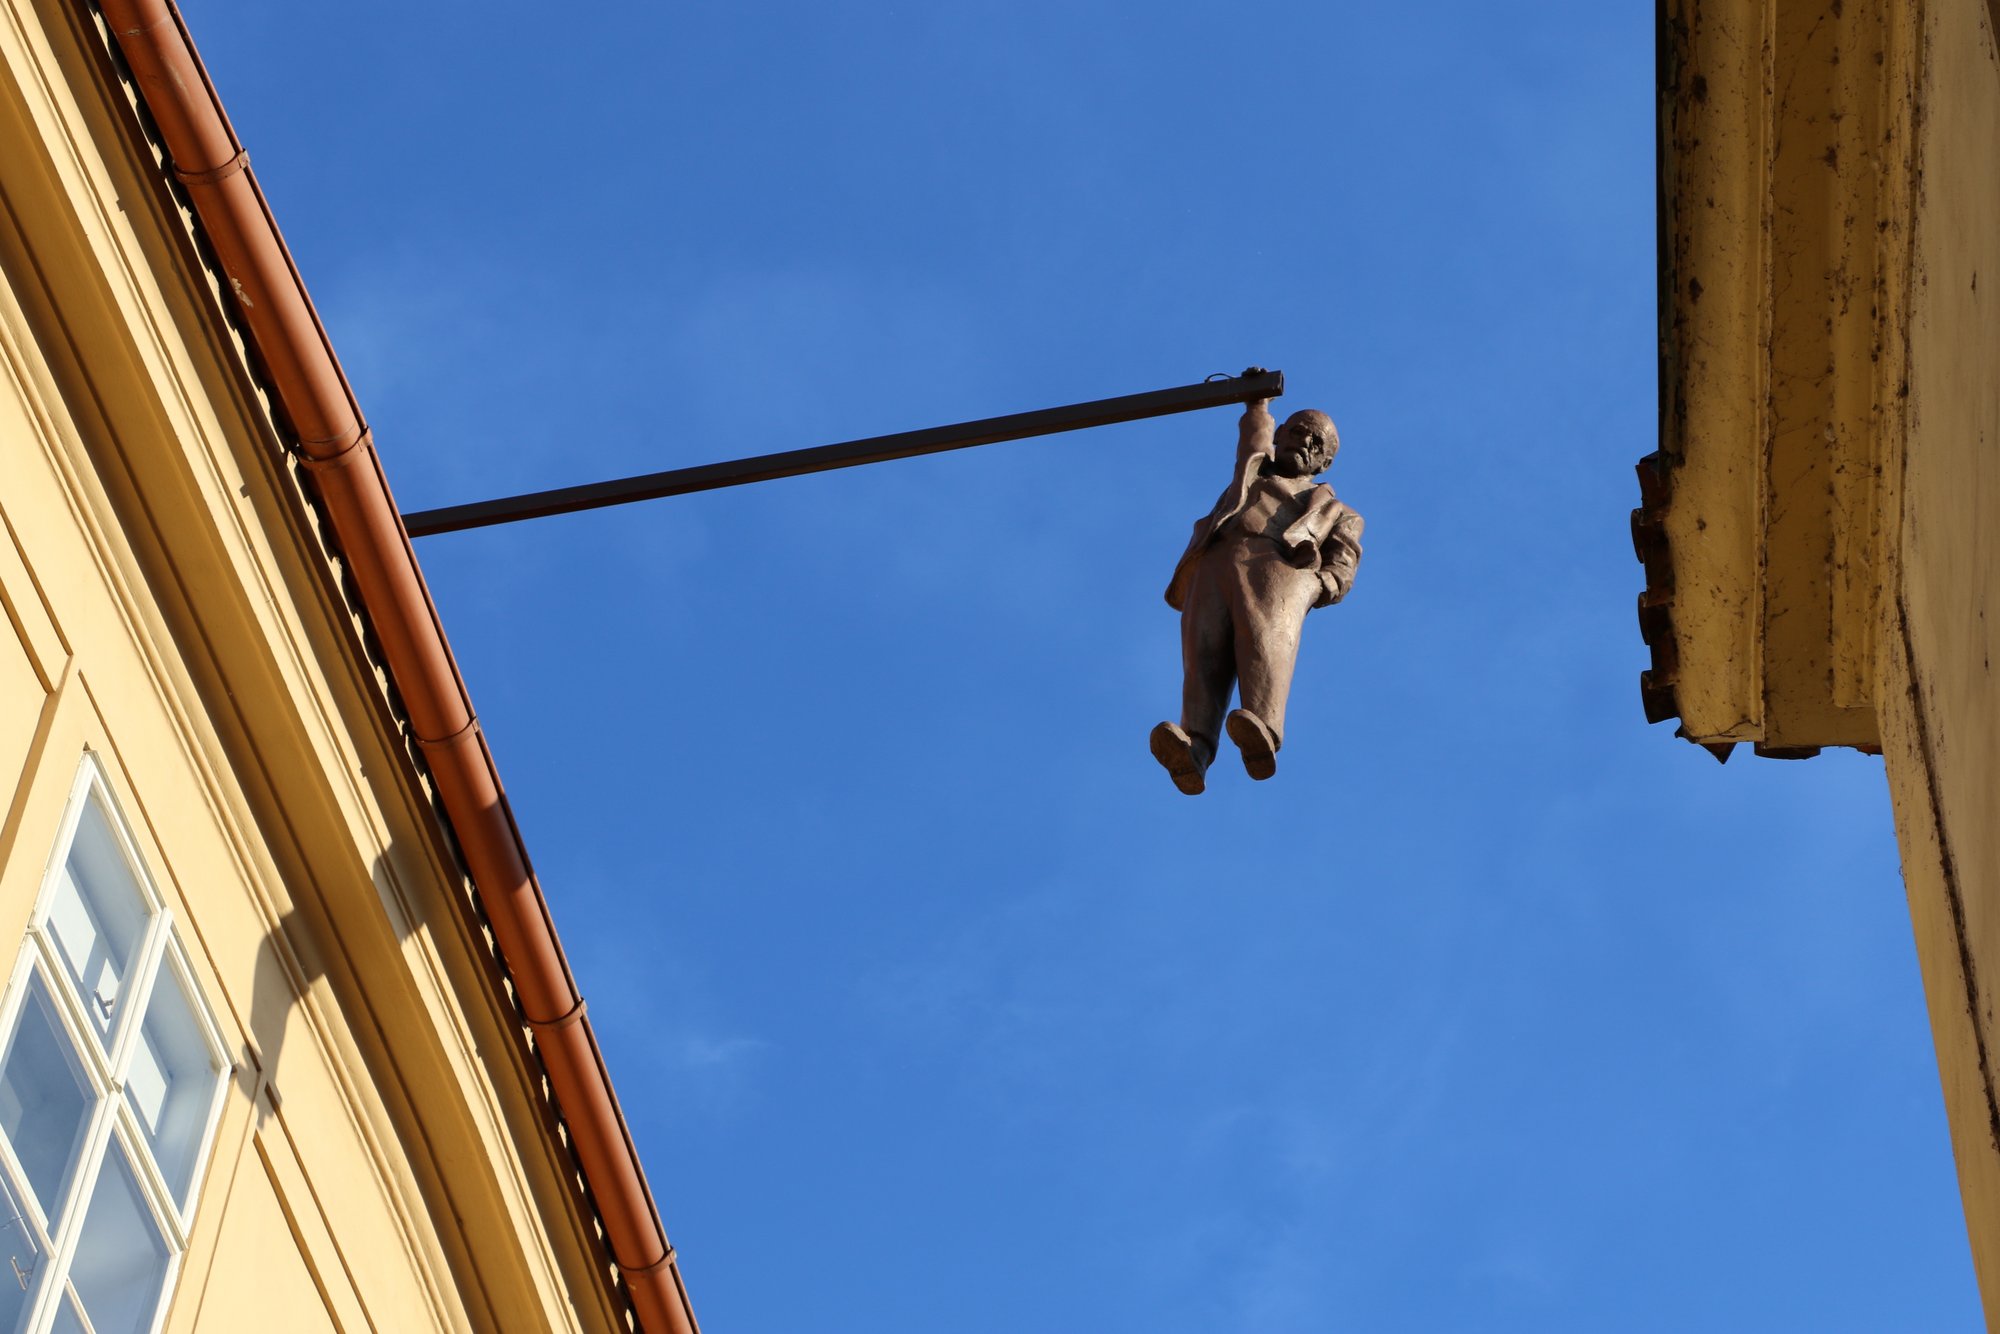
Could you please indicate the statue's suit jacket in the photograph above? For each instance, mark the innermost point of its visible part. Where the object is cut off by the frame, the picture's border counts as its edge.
(1325, 539)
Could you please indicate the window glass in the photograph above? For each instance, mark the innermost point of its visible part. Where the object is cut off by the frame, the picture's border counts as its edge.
(44, 1100)
(121, 1258)
(20, 1257)
(67, 1320)
(104, 1115)
(171, 1082)
(97, 916)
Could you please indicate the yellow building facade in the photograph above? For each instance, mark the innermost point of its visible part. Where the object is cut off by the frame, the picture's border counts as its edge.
(1821, 524)
(265, 1057)
(260, 1065)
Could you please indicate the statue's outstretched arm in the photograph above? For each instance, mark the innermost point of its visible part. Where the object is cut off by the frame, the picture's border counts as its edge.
(1256, 433)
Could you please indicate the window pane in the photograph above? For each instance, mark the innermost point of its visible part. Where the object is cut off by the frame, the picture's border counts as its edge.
(96, 916)
(20, 1255)
(121, 1258)
(172, 1082)
(44, 1099)
(67, 1320)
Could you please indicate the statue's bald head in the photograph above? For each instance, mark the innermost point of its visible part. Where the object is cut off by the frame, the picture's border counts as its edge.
(1312, 432)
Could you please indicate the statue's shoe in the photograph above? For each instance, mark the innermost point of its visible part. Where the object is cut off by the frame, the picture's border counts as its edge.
(1177, 755)
(1259, 747)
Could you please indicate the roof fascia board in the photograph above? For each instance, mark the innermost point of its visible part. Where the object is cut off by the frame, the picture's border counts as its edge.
(313, 399)
(136, 358)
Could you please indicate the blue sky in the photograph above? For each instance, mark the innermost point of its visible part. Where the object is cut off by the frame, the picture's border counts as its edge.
(933, 1005)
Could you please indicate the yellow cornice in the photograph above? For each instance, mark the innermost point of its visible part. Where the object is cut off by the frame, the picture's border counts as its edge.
(1786, 164)
(202, 535)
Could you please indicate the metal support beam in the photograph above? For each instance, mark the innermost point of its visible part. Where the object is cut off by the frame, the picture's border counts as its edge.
(823, 458)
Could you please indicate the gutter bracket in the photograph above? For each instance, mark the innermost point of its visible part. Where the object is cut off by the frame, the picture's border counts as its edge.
(215, 175)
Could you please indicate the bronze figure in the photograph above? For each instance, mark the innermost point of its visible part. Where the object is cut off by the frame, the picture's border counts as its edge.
(1276, 545)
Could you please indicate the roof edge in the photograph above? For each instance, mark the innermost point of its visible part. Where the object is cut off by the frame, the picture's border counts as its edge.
(318, 408)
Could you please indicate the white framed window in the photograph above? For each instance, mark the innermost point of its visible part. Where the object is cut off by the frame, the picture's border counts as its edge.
(112, 1075)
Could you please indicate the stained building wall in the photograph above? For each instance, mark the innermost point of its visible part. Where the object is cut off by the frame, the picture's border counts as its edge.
(1819, 524)
(1940, 703)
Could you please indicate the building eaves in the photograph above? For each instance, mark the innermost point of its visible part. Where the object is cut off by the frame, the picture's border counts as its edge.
(1785, 177)
(318, 409)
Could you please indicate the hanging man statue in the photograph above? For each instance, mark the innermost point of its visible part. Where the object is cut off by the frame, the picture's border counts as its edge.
(1276, 545)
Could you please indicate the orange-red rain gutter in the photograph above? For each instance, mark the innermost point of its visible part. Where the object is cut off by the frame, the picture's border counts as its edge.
(340, 455)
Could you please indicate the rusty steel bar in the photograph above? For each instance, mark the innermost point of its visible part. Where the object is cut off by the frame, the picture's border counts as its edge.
(1243, 388)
